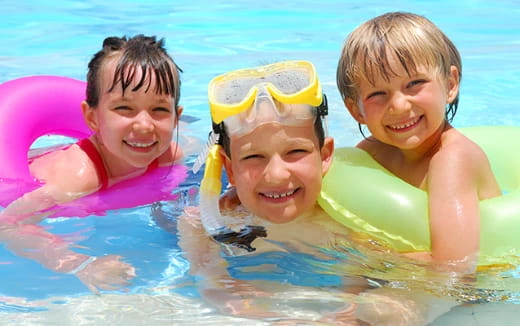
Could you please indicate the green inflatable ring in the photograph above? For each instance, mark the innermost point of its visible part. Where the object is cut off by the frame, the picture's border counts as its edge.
(362, 195)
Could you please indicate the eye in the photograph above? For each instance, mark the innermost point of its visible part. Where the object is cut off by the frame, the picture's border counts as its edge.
(374, 94)
(298, 151)
(416, 82)
(122, 108)
(161, 109)
(251, 157)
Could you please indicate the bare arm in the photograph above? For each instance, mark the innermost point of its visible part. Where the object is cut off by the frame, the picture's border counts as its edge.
(231, 296)
(453, 182)
(33, 242)
(21, 234)
(29, 206)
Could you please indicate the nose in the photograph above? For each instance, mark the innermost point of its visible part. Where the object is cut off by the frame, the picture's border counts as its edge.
(265, 108)
(399, 103)
(143, 122)
(276, 171)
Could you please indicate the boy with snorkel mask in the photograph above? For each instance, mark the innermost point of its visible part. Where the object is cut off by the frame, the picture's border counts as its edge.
(269, 135)
(271, 140)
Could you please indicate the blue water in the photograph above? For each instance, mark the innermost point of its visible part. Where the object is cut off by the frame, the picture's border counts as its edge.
(207, 38)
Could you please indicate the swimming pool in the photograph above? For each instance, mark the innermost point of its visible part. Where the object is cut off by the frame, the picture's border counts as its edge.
(208, 38)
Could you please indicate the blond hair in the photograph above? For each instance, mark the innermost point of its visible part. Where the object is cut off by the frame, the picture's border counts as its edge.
(411, 39)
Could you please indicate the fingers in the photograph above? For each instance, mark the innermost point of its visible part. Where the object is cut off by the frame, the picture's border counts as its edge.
(107, 273)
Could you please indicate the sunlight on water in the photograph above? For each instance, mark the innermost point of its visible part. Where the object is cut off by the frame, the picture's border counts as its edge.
(207, 38)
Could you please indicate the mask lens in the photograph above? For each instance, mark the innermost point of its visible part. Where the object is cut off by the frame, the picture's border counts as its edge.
(234, 91)
(290, 82)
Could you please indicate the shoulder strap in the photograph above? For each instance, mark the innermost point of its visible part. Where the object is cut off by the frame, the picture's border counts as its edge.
(154, 165)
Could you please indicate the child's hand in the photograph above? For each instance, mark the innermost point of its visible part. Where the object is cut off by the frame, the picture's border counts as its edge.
(106, 273)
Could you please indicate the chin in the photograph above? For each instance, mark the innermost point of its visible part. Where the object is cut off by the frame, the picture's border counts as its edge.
(279, 218)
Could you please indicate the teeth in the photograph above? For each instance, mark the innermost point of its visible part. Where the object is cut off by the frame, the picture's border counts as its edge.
(278, 196)
(404, 125)
(142, 145)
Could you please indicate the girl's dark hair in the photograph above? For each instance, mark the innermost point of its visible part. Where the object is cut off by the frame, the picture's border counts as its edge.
(142, 53)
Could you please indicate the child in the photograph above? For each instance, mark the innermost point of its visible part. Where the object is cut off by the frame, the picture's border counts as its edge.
(275, 152)
(132, 105)
(399, 75)
(275, 155)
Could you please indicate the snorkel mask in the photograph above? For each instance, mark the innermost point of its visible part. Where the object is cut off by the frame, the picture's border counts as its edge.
(288, 93)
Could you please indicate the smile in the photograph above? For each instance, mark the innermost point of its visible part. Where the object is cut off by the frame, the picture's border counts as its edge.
(279, 195)
(139, 145)
(405, 126)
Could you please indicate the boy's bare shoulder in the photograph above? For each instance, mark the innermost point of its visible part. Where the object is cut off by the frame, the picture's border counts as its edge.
(456, 147)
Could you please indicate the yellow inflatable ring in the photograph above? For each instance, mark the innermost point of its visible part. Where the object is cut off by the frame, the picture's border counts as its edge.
(362, 195)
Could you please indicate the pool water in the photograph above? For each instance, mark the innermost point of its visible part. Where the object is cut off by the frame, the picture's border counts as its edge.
(207, 38)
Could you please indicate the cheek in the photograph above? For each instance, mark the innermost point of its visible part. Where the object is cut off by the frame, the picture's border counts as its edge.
(166, 125)
(371, 110)
(240, 176)
(310, 170)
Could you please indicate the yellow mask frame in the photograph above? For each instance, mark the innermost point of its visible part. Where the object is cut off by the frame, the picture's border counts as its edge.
(226, 101)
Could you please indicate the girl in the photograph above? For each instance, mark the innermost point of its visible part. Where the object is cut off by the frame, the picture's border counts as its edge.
(132, 105)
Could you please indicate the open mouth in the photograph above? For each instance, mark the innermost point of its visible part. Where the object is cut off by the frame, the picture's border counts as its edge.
(401, 127)
(139, 145)
(279, 195)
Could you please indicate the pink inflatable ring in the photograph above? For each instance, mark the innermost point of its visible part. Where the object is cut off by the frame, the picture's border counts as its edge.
(31, 107)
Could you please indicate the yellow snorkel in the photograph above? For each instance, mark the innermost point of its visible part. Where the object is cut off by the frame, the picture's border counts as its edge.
(210, 188)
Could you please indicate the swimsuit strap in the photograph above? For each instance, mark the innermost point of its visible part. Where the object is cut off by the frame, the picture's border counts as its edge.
(88, 147)
(154, 165)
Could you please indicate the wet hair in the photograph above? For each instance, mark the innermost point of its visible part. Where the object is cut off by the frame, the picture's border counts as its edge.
(225, 141)
(411, 39)
(140, 52)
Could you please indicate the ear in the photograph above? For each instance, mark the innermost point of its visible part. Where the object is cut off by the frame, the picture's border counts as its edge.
(179, 110)
(453, 84)
(89, 115)
(228, 167)
(327, 152)
(354, 110)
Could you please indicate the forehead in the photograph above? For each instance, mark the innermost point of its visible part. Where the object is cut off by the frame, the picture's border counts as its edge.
(111, 81)
(108, 70)
(388, 62)
(273, 135)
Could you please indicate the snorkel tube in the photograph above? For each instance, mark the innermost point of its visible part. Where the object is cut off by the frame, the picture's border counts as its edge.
(210, 188)
(210, 216)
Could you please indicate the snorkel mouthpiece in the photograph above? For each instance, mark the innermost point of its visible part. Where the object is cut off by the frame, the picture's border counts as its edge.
(243, 238)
